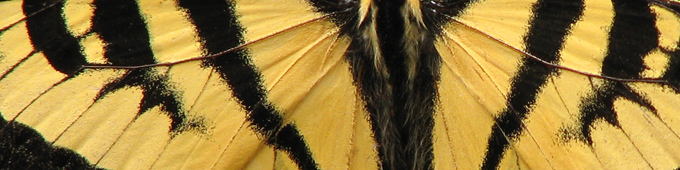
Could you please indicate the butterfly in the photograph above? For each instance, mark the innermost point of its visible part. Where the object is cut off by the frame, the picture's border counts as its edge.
(339, 84)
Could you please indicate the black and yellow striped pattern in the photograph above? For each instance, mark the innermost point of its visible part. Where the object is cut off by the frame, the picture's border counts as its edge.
(340, 84)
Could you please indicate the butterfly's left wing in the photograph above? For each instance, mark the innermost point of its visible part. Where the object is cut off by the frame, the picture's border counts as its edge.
(237, 86)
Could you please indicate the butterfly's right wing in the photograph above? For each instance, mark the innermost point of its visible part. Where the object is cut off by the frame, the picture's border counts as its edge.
(499, 108)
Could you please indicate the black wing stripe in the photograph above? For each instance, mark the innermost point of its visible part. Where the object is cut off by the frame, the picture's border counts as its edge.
(219, 30)
(671, 73)
(48, 33)
(551, 22)
(123, 30)
(632, 36)
(19, 145)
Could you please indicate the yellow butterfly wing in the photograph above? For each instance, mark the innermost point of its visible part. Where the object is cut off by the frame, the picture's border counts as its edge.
(266, 99)
(526, 114)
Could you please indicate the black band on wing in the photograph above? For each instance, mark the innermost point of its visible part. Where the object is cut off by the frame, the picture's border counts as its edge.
(672, 73)
(48, 33)
(551, 22)
(632, 36)
(121, 27)
(22, 147)
(220, 31)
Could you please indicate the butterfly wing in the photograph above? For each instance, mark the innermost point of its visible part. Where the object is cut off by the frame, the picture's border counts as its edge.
(529, 114)
(266, 98)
